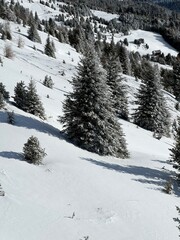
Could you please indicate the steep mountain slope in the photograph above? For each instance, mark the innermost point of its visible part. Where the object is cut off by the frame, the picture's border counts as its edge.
(76, 194)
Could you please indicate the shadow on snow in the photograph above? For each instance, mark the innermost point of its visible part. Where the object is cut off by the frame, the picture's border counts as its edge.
(145, 175)
(32, 123)
(12, 155)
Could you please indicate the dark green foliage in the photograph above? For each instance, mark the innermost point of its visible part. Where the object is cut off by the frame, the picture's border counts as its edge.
(175, 151)
(49, 49)
(48, 82)
(4, 92)
(151, 113)
(33, 153)
(124, 59)
(34, 105)
(118, 90)
(10, 117)
(178, 219)
(33, 34)
(176, 78)
(1, 101)
(168, 187)
(28, 100)
(6, 31)
(89, 118)
(20, 96)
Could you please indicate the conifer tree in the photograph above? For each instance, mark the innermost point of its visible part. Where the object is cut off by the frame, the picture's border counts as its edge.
(6, 33)
(118, 91)
(175, 151)
(176, 77)
(10, 117)
(34, 105)
(33, 34)
(33, 153)
(124, 59)
(89, 119)
(4, 92)
(49, 48)
(20, 96)
(152, 113)
(1, 101)
(48, 82)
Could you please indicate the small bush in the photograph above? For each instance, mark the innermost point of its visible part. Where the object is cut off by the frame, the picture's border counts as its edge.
(48, 82)
(168, 187)
(10, 117)
(33, 153)
(8, 52)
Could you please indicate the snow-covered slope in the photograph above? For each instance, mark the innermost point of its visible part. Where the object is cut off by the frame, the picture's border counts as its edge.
(75, 193)
(154, 41)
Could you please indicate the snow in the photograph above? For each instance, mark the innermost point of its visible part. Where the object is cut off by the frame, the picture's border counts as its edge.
(111, 198)
(154, 40)
(106, 16)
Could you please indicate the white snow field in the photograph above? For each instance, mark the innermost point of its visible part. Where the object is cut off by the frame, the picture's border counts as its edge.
(104, 15)
(76, 194)
(154, 40)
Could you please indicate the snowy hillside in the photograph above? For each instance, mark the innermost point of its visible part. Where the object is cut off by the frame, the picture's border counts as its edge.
(76, 194)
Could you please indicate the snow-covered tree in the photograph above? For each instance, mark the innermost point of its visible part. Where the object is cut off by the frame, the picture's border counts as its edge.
(124, 59)
(33, 153)
(1, 101)
(33, 34)
(89, 117)
(8, 52)
(34, 105)
(118, 89)
(175, 151)
(48, 82)
(178, 219)
(20, 96)
(176, 77)
(4, 92)
(152, 113)
(6, 33)
(20, 42)
(49, 48)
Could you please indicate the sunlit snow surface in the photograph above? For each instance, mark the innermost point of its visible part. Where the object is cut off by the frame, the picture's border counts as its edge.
(75, 193)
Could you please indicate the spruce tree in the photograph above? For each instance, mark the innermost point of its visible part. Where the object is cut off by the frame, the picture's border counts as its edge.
(175, 151)
(20, 96)
(176, 78)
(33, 153)
(4, 92)
(151, 113)
(10, 117)
(34, 105)
(48, 82)
(33, 34)
(89, 118)
(49, 49)
(118, 90)
(124, 59)
(1, 101)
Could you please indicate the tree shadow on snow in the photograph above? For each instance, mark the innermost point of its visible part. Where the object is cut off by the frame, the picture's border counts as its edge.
(32, 123)
(12, 155)
(145, 175)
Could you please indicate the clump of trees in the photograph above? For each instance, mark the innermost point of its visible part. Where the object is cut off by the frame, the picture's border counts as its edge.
(27, 99)
(48, 82)
(89, 116)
